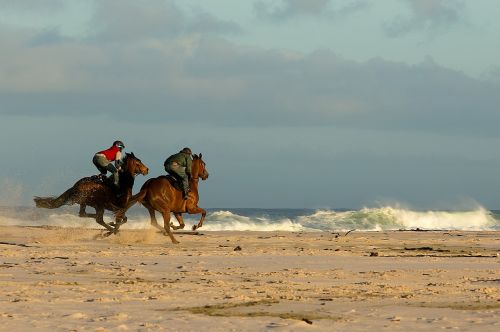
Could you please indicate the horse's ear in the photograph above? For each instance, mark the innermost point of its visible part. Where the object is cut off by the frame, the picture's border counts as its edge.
(132, 154)
(200, 155)
(195, 156)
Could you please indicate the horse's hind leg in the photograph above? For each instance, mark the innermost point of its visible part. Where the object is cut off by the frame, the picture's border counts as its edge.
(166, 225)
(179, 218)
(152, 216)
(196, 210)
(83, 214)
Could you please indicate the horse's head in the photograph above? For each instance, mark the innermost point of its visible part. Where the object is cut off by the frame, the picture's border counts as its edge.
(134, 165)
(198, 168)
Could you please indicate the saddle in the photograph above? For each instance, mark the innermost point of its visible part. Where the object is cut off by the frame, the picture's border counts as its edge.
(100, 178)
(104, 180)
(173, 181)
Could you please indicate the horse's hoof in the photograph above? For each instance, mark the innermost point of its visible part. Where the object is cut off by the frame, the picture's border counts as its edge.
(98, 237)
(195, 227)
(175, 228)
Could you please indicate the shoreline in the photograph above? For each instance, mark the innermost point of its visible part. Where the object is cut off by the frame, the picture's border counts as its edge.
(56, 278)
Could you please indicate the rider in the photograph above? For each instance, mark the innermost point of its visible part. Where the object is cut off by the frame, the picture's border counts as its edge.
(103, 160)
(179, 166)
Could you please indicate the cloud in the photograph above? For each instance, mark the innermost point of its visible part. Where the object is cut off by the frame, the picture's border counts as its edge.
(135, 21)
(426, 15)
(206, 23)
(48, 6)
(47, 37)
(131, 20)
(210, 80)
(492, 74)
(162, 72)
(353, 7)
(289, 9)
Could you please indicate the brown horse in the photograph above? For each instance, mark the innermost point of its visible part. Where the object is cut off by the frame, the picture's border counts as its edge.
(99, 194)
(163, 194)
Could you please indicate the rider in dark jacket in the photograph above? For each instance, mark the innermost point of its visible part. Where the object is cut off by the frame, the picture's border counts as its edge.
(179, 166)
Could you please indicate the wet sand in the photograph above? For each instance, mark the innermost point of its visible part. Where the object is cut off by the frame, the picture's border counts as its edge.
(69, 279)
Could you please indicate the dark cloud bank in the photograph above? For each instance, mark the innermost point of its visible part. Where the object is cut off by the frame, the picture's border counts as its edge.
(220, 83)
(155, 61)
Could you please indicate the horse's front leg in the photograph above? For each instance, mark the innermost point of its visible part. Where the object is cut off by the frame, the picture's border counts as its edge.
(179, 218)
(120, 219)
(197, 210)
(100, 219)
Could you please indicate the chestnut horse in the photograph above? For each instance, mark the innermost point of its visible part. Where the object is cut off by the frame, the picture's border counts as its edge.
(99, 194)
(163, 194)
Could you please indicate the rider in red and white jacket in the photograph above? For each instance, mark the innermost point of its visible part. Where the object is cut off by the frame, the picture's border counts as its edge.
(104, 159)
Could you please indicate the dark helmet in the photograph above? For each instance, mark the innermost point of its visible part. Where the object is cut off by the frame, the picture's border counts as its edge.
(119, 144)
(187, 150)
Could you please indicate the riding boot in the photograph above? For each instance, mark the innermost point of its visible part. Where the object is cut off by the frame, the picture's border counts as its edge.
(116, 179)
(185, 192)
(112, 183)
(185, 189)
(185, 195)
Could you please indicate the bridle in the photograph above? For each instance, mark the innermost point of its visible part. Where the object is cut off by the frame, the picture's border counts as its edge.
(198, 177)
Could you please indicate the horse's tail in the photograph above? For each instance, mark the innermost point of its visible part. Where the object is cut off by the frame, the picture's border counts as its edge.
(53, 202)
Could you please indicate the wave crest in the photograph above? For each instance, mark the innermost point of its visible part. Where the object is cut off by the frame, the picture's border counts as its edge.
(366, 219)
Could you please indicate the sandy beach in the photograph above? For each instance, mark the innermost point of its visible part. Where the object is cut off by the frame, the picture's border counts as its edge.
(69, 279)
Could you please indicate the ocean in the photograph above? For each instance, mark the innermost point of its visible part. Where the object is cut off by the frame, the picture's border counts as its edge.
(288, 220)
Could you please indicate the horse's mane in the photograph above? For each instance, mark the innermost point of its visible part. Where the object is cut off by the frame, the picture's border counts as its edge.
(129, 155)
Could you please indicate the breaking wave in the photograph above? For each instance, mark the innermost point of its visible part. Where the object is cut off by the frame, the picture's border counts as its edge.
(228, 221)
(368, 219)
(292, 220)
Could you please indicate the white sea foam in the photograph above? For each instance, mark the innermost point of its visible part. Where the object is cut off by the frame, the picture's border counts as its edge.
(389, 218)
(367, 219)
(479, 219)
(228, 221)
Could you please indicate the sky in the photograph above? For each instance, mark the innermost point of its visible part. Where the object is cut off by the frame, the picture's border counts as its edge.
(293, 103)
